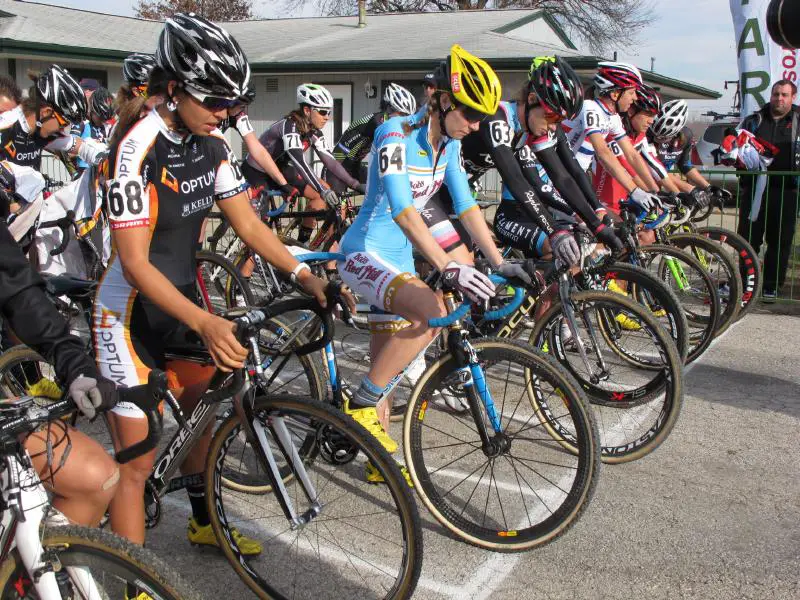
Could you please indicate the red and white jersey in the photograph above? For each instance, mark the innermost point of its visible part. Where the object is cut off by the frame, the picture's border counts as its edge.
(593, 118)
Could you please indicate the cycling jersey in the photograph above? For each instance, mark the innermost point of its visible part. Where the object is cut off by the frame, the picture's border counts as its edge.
(20, 145)
(404, 173)
(287, 145)
(167, 184)
(608, 189)
(677, 152)
(355, 143)
(593, 118)
(86, 131)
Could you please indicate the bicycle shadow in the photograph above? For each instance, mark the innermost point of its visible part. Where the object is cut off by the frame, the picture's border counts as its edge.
(744, 389)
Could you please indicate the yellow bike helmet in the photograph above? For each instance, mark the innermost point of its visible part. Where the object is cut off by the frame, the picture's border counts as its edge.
(470, 81)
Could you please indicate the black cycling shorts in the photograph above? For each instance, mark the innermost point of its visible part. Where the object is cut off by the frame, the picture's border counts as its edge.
(514, 228)
(256, 177)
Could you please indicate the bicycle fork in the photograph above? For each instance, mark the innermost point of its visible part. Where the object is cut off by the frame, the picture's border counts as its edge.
(569, 314)
(255, 428)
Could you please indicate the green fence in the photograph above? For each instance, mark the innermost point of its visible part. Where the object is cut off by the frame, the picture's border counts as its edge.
(773, 233)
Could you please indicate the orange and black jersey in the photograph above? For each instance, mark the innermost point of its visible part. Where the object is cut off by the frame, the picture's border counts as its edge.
(18, 144)
(168, 183)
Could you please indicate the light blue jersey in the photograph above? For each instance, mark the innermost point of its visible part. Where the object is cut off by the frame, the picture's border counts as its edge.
(404, 172)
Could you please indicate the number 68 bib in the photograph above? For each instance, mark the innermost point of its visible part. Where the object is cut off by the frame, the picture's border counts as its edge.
(127, 203)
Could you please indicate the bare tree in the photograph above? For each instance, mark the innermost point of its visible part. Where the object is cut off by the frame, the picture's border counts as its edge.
(214, 10)
(598, 24)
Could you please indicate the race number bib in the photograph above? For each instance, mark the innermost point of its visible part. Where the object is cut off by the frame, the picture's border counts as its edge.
(127, 203)
(392, 159)
(500, 133)
(292, 141)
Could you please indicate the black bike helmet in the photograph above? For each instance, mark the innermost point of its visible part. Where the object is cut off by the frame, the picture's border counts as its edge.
(100, 104)
(137, 67)
(647, 99)
(556, 85)
(203, 56)
(58, 89)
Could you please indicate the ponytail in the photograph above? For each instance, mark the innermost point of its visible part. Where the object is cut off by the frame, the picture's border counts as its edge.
(432, 106)
(130, 107)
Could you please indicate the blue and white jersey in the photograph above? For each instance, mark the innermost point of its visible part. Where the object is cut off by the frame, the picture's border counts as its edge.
(404, 172)
(593, 118)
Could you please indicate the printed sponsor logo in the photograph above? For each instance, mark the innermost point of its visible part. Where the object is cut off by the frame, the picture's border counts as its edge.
(108, 318)
(125, 157)
(455, 82)
(197, 206)
(129, 224)
(169, 180)
(11, 149)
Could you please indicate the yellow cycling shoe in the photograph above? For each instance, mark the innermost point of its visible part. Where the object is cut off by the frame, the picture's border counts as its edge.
(613, 286)
(44, 388)
(368, 419)
(659, 312)
(375, 476)
(139, 596)
(204, 536)
(627, 323)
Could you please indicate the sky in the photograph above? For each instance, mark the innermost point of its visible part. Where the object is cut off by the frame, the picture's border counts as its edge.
(690, 40)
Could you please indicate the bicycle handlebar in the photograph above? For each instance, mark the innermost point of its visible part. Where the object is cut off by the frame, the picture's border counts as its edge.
(492, 315)
(147, 397)
(65, 224)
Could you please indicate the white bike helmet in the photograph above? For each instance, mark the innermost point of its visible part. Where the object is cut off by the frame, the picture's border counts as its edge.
(670, 120)
(202, 55)
(314, 95)
(399, 99)
(57, 88)
(617, 76)
(137, 67)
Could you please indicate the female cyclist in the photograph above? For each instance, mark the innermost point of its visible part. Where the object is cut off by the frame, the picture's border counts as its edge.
(166, 171)
(411, 159)
(287, 140)
(43, 120)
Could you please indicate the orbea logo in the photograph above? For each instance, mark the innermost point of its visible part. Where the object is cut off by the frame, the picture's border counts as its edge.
(455, 82)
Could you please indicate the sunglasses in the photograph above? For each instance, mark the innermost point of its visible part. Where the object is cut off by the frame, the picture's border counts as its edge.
(62, 122)
(551, 116)
(324, 111)
(472, 115)
(211, 102)
(140, 90)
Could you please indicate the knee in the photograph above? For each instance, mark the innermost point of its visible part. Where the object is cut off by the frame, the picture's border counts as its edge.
(135, 472)
(102, 478)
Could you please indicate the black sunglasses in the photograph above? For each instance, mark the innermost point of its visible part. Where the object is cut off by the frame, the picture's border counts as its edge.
(472, 115)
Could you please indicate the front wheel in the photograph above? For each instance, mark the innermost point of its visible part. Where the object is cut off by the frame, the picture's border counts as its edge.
(530, 486)
(96, 564)
(351, 539)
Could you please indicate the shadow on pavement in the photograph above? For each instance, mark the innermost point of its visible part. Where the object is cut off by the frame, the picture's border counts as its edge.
(744, 389)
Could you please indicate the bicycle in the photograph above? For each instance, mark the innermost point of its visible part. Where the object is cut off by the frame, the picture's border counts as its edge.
(42, 559)
(285, 435)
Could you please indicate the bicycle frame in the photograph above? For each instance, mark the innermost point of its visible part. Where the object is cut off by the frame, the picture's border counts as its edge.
(26, 501)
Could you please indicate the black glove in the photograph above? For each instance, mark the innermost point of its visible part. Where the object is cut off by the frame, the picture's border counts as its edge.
(361, 188)
(288, 191)
(687, 200)
(610, 240)
(721, 193)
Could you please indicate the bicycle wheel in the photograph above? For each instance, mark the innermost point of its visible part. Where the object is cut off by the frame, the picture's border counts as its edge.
(654, 295)
(633, 377)
(525, 491)
(220, 285)
(112, 562)
(749, 265)
(693, 286)
(363, 541)
(722, 269)
(24, 372)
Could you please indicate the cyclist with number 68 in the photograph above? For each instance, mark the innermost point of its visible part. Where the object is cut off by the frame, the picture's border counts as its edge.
(167, 170)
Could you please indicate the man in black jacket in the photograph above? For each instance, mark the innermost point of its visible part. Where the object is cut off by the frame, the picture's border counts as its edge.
(35, 320)
(776, 123)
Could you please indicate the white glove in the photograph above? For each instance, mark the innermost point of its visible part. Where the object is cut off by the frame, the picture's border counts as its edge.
(92, 151)
(511, 270)
(565, 248)
(86, 395)
(644, 199)
(469, 281)
(331, 198)
(242, 124)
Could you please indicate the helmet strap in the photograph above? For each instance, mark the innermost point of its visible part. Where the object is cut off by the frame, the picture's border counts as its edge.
(443, 114)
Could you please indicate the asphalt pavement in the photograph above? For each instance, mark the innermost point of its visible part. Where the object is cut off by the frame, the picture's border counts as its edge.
(712, 514)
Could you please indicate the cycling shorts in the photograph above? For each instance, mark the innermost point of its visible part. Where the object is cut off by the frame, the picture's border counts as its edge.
(448, 232)
(256, 177)
(375, 280)
(514, 228)
(132, 336)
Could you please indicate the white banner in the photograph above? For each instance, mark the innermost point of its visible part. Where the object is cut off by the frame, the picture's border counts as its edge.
(761, 61)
